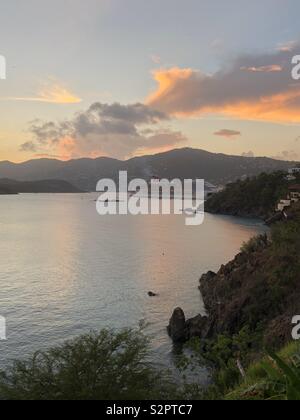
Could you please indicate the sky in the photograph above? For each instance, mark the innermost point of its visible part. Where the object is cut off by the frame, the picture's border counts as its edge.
(123, 78)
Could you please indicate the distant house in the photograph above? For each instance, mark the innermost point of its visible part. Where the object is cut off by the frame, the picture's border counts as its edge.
(292, 197)
(294, 171)
(283, 204)
(294, 193)
(290, 178)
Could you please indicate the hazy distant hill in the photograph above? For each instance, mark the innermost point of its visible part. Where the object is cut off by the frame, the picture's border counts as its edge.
(9, 186)
(182, 163)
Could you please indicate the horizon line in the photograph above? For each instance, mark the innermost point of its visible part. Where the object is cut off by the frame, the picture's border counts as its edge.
(57, 159)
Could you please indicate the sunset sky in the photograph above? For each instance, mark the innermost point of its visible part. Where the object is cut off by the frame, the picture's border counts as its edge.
(128, 77)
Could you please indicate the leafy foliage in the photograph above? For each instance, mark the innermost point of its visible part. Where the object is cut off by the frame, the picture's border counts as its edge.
(96, 366)
(285, 376)
(259, 293)
(275, 377)
(253, 197)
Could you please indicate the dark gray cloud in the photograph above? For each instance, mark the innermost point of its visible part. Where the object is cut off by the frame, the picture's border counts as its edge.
(29, 146)
(115, 130)
(227, 133)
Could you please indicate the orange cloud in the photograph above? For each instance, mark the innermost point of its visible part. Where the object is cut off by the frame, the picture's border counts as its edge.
(277, 108)
(249, 88)
(166, 80)
(55, 94)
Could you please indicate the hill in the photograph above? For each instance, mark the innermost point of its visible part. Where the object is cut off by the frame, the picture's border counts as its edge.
(9, 186)
(251, 301)
(253, 197)
(250, 304)
(217, 169)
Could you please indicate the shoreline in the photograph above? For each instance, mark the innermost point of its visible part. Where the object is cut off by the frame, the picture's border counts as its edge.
(250, 303)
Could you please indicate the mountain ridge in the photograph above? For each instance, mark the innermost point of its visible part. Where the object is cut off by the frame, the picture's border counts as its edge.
(84, 173)
(10, 186)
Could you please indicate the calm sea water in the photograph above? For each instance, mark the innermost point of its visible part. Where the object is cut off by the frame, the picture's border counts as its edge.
(66, 270)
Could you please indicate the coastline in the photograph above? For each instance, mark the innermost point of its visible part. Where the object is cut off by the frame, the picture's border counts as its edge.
(250, 303)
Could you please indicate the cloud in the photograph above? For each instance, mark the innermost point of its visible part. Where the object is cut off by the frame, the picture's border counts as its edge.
(112, 130)
(287, 46)
(29, 146)
(256, 87)
(54, 93)
(292, 155)
(264, 69)
(249, 154)
(291, 152)
(227, 133)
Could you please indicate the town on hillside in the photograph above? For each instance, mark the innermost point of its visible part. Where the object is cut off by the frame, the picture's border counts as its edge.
(293, 195)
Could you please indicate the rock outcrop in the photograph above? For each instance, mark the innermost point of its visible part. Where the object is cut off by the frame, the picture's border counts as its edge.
(177, 326)
(258, 290)
(181, 330)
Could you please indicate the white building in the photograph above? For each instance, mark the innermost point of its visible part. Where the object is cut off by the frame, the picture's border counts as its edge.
(294, 194)
(293, 197)
(290, 178)
(294, 171)
(283, 204)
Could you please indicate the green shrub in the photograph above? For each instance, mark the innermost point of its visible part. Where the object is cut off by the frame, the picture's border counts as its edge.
(254, 244)
(274, 377)
(96, 366)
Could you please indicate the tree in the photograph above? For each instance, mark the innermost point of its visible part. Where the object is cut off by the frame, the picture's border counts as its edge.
(96, 366)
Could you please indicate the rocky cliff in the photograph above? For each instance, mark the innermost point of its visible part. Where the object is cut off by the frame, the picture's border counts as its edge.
(259, 289)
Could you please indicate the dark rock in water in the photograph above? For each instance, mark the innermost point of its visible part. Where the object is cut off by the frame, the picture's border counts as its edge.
(181, 330)
(152, 294)
(177, 326)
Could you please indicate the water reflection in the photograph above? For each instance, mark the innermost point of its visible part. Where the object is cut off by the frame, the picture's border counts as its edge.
(65, 270)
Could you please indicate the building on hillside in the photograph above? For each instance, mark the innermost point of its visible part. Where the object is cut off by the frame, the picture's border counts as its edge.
(283, 204)
(294, 193)
(294, 171)
(292, 197)
(290, 178)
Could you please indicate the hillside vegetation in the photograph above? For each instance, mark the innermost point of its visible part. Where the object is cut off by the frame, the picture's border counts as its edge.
(9, 186)
(103, 365)
(274, 377)
(253, 197)
(251, 302)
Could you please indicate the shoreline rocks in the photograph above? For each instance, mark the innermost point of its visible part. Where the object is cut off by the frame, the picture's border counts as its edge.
(177, 326)
(227, 295)
(181, 330)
